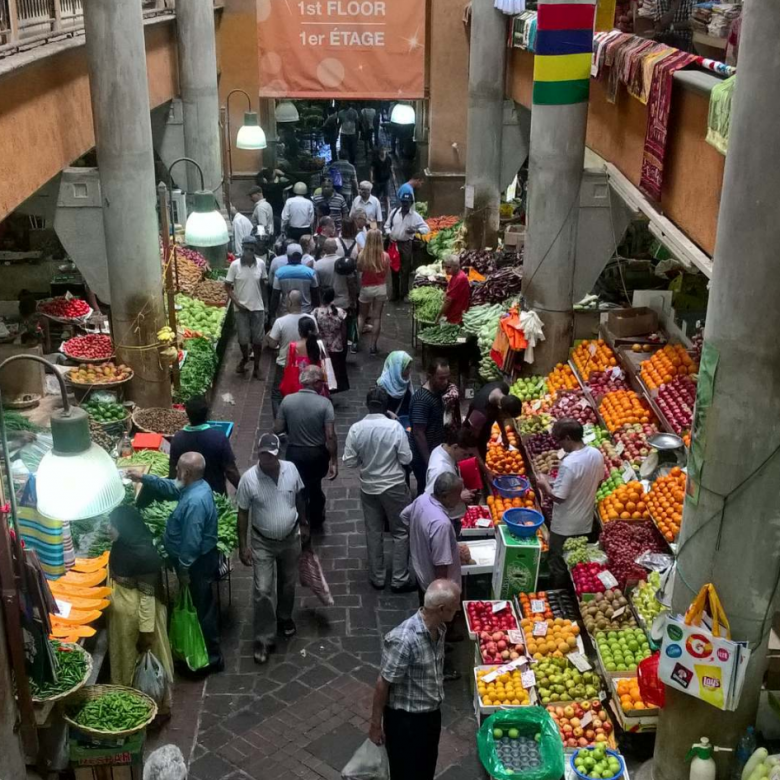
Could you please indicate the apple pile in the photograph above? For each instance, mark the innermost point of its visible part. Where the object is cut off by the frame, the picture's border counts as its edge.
(557, 680)
(624, 541)
(574, 405)
(65, 308)
(634, 440)
(586, 578)
(676, 400)
(496, 648)
(474, 513)
(597, 763)
(569, 721)
(602, 382)
(481, 617)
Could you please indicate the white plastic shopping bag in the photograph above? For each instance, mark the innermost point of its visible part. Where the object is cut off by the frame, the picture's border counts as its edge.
(369, 763)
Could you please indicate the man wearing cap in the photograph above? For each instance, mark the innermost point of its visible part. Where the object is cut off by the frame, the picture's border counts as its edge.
(271, 502)
(294, 276)
(246, 286)
(368, 203)
(263, 214)
(402, 224)
(298, 213)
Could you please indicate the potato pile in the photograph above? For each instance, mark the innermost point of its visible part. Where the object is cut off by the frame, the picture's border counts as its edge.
(212, 293)
(600, 613)
(188, 275)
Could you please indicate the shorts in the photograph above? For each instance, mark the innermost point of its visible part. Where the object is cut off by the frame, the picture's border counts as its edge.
(250, 326)
(376, 292)
(382, 189)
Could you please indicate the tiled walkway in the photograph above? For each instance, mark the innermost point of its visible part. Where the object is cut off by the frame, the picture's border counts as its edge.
(304, 713)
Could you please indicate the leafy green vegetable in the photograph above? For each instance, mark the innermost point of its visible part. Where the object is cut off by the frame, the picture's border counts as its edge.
(200, 367)
(427, 301)
(15, 422)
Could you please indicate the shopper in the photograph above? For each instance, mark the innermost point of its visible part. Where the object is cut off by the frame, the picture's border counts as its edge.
(190, 541)
(405, 714)
(379, 447)
(347, 241)
(367, 120)
(308, 419)
(325, 265)
(263, 213)
(369, 203)
(396, 380)
(382, 176)
(294, 276)
(410, 187)
(308, 246)
(271, 502)
(349, 182)
(373, 264)
(573, 492)
(361, 227)
(403, 223)
(274, 183)
(242, 228)
(298, 213)
(332, 326)
(349, 118)
(337, 206)
(307, 351)
(246, 286)
(137, 614)
(211, 443)
(491, 404)
(330, 131)
(426, 415)
(458, 296)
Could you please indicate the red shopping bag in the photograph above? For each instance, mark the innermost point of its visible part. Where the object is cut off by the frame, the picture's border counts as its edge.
(650, 687)
(395, 257)
(311, 576)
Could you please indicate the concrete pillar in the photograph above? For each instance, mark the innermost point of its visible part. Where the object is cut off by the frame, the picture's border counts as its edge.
(487, 60)
(116, 61)
(197, 45)
(11, 758)
(730, 537)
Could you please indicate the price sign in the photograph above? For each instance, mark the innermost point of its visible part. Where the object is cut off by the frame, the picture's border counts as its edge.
(515, 637)
(629, 475)
(580, 662)
(497, 606)
(561, 454)
(538, 606)
(586, 719)
(461, 340)
(492, 676)
(484, 522)
(602, 695)
(619, 447)
(63, 607)
(540, 628)
(616, 372)
(618, 612)
(583, 403)
(528, 679)
(536, 405)
(589, 434)
(646, 485)
(607, 579)
(592, 349)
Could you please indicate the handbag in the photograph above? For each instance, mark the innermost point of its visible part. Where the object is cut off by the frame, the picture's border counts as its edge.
(291, 378)
(395, 257)
(327, 367)
(186, 635)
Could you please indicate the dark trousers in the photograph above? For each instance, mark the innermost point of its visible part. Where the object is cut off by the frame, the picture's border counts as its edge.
(349, 142)
(334, 154)
(297, 233)
(401, 276)
(412, 740)
(203, 572)
(312, 464)
(276, 393)
(559, 571)
(419, 469)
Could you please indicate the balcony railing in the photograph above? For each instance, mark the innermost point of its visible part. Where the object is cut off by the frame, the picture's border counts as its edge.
(26, 23)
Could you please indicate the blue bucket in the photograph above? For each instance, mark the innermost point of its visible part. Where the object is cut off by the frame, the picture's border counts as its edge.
(511, 486)
(515, 519)
(610, 752)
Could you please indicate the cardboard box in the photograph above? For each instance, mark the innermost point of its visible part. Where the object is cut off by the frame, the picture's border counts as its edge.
(624, 323)
(514, 237)
(517, 564)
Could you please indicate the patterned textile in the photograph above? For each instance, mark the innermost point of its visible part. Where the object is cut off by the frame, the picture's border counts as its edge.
(719, 117)
(623, 55)
(600, 41)
(642, 71)
(42, 534)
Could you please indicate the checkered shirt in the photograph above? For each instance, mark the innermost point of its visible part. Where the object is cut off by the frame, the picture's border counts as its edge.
(413, 664)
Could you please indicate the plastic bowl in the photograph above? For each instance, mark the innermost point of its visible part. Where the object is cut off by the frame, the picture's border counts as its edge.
(510, 486)
(610, 752)
(517, 518)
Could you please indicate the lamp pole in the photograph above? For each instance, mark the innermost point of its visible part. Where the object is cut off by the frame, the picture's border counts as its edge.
(170, 264)
(228, 140)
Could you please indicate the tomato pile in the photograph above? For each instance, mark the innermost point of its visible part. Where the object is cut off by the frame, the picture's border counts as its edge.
(94, 346)
(65, 308)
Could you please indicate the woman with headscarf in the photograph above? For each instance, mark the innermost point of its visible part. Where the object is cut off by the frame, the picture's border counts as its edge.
(396, 380)
(137, 621)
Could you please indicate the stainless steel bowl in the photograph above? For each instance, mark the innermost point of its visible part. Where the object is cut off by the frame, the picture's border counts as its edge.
(665, 441)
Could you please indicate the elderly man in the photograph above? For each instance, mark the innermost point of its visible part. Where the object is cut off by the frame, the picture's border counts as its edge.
(403, 223)
(379, 447)
(263, 213)
(270, 498)
(294, 276)
(405, 714)
(326, 265)
(457, 299)
(190, 540)
(310, 424)
(298, 213)
(348, 173)
(368, 202)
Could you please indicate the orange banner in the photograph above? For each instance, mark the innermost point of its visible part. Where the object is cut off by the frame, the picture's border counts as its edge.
(361, 49)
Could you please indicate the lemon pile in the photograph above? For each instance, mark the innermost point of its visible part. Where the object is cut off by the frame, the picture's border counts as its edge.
(507, 689)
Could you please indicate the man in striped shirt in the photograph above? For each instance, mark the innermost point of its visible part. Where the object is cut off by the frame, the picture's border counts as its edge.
(270, 497)
(336, 202)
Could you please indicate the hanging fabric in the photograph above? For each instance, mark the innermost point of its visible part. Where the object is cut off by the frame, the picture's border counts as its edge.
(510, 7)
(719, 117)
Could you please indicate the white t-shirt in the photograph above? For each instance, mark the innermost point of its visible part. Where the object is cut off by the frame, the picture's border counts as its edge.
(578, 480)
(285, 331)
(247, 281)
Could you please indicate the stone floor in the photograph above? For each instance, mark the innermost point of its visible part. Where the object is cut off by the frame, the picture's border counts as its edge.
(304, 713)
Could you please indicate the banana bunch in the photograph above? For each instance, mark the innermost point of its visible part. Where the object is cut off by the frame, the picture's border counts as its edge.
(166, 335)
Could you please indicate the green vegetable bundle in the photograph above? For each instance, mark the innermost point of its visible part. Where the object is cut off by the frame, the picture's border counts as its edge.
(479, 317)
(427, 301)
(156, 516)
(105, 411)
(70, 666)
(200, 367)
(445, 242)
(157, 461)
(447, 333)
(421, 207)
(15, 422)
(117, 711)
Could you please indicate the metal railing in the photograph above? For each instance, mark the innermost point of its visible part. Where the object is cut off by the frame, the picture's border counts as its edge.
(26, 23)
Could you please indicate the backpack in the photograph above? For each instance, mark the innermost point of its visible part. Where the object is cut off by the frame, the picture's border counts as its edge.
(345, 266)
(336, 177)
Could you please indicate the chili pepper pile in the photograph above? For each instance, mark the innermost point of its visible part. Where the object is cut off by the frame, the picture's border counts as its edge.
(498, 287)
(117, 711)
(70, 665)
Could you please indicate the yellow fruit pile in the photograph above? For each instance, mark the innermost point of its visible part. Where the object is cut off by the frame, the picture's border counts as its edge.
(505, 690)
(671, 361)
(561, 638)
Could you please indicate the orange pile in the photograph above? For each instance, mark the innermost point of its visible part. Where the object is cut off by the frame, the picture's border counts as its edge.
(628, 502)
(525, 606)
(499, 505)
(665, 502)
(602, 359)
(629, 695)
(666, 364)
(542, 540)
(503, 461)
(561, 638)
(561, 378)
(624, 407)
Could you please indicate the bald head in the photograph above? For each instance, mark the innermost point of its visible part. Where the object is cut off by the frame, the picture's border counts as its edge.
(190, 467)
(330, 246)
(294, 301)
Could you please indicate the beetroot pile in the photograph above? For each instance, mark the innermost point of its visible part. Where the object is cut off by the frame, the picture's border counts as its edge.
(676, 400)
(624, 542)
(93, 346)
(65, 308)
(574, 404)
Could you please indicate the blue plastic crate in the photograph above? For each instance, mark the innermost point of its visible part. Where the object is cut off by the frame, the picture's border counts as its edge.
(224, 425)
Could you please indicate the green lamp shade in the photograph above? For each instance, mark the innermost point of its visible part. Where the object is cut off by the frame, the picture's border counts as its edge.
(205, 225)
(250, 135)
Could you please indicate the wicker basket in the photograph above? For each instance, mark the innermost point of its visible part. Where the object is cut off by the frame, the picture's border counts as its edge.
(77, 686)
(144, 429)
(96, 691)
(114, 427)
(93, 385)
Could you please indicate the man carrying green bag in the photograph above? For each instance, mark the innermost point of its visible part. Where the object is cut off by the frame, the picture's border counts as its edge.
(185, 634)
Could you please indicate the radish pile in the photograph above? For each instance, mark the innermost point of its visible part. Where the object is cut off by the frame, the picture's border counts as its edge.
(65, 308)
(91, 347)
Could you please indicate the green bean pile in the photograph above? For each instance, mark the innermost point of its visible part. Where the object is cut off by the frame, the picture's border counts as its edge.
(157, 461)
(112, 712)
(427, 302)
(71, 667)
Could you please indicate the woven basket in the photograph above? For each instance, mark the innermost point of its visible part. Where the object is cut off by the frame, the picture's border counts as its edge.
(97, 385)
(114, 427)
(144, 429)
(96, 691)
(77, 686)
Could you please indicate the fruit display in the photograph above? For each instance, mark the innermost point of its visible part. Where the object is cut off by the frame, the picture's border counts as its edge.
(597, 763)
(639, 348)
(93, 346)
(560, 640)
(628, 502)
(623, 407)
(569, 719)
(629, 696)
(602, 382)
(577, 550)
(621, 651)
(665, 502)
(541, 406)
(595, 435)
(533, 423)
(561, 378)
(676, 400)
(586, 577)
(496, 648)
(546, 463)
(517, 752)
(499, 505)
(667, 363)
(503, 461)
(558, 680)
(610, 484)
(575, 406)
(474, 513)
(195, 315)
(65, 308)
(634, 440)
(98, 374)
(505, 690)
(484, 616)
(540, 443)
(589, 356)
(529, 388)
(608, 611)
(527, 607)
(643, 598)
(624, 542)
(542, 541)
(105, 411)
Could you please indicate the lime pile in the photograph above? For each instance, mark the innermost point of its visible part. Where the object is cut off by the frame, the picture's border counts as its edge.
(621, 651)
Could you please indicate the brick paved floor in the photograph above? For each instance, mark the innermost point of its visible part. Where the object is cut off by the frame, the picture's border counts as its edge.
(304, 713)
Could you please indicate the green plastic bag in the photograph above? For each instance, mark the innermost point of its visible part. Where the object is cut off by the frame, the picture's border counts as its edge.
(529, 721)
(186, 635)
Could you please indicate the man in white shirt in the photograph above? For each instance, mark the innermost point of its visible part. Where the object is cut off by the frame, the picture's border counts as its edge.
(246, 285)
(298, 213)
(368, 202)
(379, 447)
(242, 228)
(263, 214)
(573, 492)
(402, 225)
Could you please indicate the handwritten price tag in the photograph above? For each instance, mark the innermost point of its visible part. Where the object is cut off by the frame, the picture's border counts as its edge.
(537, 606)
(540, 628)
(618, 612)
(586, 719)
(63, 607)
(515, 637)
(646, 485)
(536, 405)
(580, 662)
(607, 580)
(484, 522)
(461, 340)
(619, 447)
(592, 349)
(528, 679)
(583, 403)
(629, 475)
(497, 606)
(616, 372)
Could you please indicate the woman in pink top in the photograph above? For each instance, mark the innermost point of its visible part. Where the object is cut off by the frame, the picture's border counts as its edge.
(373, 264)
